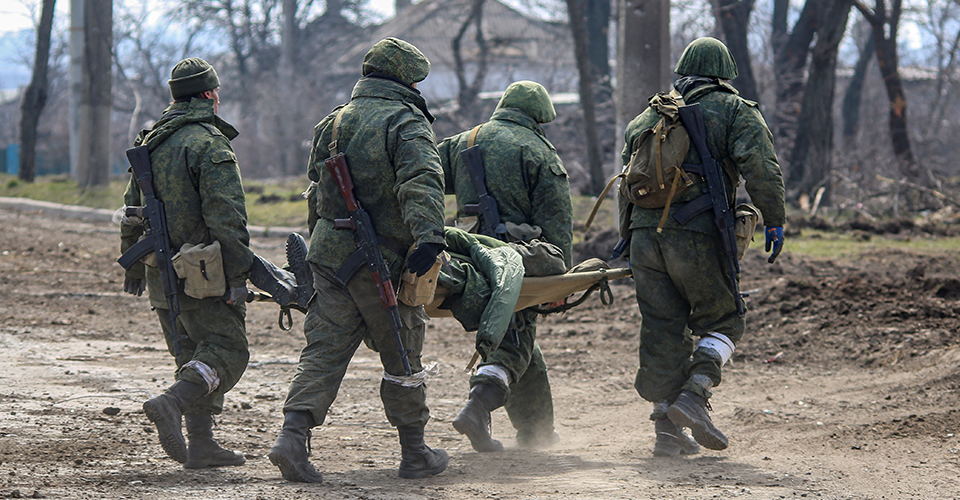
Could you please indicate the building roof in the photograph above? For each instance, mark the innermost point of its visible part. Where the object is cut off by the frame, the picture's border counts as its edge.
(432, 25)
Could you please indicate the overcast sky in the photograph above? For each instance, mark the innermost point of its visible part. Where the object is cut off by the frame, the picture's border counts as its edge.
(15, 14)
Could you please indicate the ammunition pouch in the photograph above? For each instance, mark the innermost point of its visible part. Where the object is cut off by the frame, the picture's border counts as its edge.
(201, 268)
(745, 222)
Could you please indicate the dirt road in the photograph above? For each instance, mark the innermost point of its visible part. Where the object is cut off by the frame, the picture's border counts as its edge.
(859, 399)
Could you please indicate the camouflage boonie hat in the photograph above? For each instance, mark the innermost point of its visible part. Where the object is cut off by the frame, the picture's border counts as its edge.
(707, 57)
(531, 98)
(396, 58)
(192, 76)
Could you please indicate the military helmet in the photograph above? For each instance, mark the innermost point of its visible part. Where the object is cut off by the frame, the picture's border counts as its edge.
(531, 98)
(707, 57)
(396, 58)
(192, 76)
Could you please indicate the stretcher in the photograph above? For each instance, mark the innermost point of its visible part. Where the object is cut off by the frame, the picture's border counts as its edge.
(548, 289)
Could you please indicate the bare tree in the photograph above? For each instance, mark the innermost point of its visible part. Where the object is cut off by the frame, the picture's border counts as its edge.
(850, 109)
(939, 19)
(734, 18)
(93, 169)
(811, 163)
(35, 97)
(467, 96)
(885, 23)
(791, 49)
(576, 11)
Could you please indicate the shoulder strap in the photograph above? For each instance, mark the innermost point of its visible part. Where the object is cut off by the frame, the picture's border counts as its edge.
(472, 139)
(333, 134)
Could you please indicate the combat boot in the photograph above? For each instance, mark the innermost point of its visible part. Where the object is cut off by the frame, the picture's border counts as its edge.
(474, 419)
(202, 450)
(417, 460)
(672, 441)
(289, 451)
(166, 412)
(690, 410)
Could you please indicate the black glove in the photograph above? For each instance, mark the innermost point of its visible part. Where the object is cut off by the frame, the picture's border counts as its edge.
(134, 286)
(421, 260)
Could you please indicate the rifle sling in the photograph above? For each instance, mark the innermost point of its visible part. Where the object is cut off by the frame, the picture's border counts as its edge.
(693, 208)
(358, 259)
(472, 138)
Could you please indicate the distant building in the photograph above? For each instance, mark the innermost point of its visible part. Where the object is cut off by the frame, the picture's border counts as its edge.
(520, 47)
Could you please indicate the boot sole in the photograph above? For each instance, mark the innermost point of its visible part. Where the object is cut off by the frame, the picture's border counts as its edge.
(420, 474)
(707, 436)
(171, 441)
(289, 470)
(481, 443)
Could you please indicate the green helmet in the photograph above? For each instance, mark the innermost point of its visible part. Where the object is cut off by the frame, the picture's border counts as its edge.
(707, 57)
(531, 98)
(396, 58)
(192, 76)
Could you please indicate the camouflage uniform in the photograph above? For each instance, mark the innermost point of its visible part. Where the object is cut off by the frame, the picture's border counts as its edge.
(195, 175)
(204, 202)
(527, 178)
(386, 135)
(681, 278)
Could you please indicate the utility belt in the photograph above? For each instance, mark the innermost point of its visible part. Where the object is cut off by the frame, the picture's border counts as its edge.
(746, 216)
(357, 259)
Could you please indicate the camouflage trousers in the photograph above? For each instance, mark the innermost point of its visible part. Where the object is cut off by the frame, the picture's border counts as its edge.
(529, 399)
(216, 335)
(338, 320)
(683, 292)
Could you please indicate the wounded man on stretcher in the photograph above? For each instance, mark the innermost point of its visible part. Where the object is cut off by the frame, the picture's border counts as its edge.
(485, 280)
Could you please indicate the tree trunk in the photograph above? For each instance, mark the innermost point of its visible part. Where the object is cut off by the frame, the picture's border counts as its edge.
(885, 25)
(93, 169)
(734, 18)
(598, 28)
(812, 163)
(854, 93)
(790, 59)
(468, 91)
(288, 43)
(35, 97)
(575, 10)
(643, 58)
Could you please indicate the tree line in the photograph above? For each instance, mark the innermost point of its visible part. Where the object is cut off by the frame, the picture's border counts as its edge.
(828, 75)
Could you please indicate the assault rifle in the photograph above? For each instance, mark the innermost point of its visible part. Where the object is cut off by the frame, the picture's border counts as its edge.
(692, 118)
(156, 239)
(368, 243)
(486, 206)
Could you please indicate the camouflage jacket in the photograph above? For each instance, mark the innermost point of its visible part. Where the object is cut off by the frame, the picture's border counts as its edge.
(195, 175)
(523, 173)
(390, 150)
(738, 138)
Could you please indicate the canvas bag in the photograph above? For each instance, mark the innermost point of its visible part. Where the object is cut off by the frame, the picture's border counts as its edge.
(201, 268)
(654, 177)
(745, 223)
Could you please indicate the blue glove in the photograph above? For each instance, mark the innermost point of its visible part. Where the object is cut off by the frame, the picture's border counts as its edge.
(774, 238)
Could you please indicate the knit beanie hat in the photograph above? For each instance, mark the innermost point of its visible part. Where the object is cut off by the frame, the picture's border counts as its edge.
(192, 76)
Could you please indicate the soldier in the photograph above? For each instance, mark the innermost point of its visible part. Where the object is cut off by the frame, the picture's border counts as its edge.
(386, 135)
(683, 289)
(196, 175)
(527, 179)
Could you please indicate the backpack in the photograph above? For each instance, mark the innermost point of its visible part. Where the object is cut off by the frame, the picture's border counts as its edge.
(652, 178)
